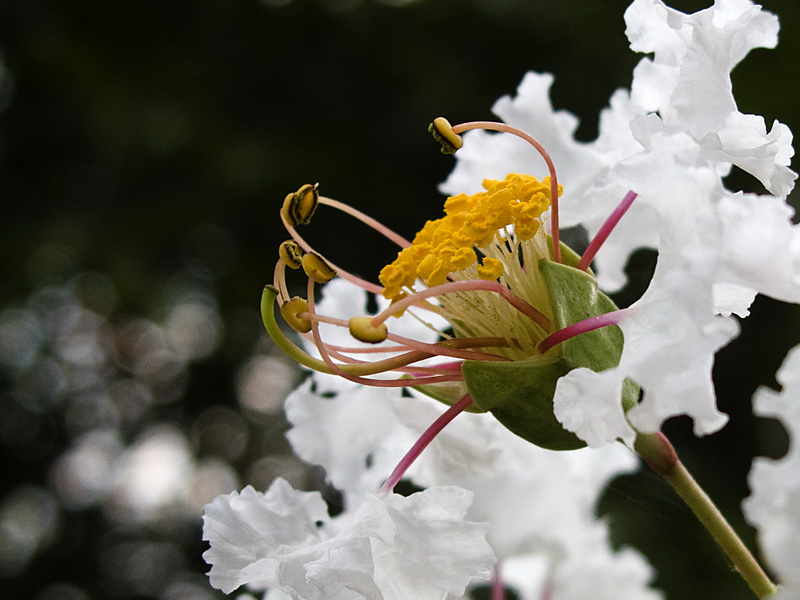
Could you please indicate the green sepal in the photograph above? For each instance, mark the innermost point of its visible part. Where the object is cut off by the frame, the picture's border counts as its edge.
(520, 394)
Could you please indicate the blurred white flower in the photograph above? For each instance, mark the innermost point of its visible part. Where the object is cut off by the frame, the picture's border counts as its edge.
(774, 505)
(520, 490)
(393, 548)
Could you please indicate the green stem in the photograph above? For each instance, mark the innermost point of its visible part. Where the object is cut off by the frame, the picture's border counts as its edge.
(657, 452)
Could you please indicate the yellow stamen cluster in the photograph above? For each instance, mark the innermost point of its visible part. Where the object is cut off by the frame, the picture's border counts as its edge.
(448, 244)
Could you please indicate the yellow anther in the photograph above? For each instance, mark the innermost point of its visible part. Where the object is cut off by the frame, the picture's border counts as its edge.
(291, 254)
(290, 311)
(317, 268)
(462, 258)
(491, 269)
(447, 245)
(443, 133)
(299, 207)
(361, 328)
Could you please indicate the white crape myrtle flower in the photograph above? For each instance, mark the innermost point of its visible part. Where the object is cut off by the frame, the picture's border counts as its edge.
(389, 548)
(708, 237)
(524, 335)
(687, 83)
(671, 141)
(595, 572)
(774, 505)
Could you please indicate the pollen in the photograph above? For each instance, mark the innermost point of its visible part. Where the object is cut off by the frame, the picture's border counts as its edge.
(448, 245)
(291, 254)
(299, 206)
(490, 269)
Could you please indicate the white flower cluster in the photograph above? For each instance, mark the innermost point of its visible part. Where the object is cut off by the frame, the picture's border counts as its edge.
(671, 138)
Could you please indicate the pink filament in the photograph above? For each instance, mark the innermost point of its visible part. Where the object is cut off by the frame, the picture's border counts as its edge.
(326, 358)
(498, 589)
(602, 235)
(430, 349)
(367, 220)
(464, 286)
(423, 441)
(362, 283)
(590, 324)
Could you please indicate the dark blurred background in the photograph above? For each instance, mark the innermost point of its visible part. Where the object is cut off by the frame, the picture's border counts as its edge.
(145, 148)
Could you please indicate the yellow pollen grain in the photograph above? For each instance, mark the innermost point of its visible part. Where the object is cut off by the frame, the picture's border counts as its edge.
(491, 269)
(447, 245)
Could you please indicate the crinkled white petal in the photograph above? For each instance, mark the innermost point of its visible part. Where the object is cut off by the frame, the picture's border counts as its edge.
(588, 404)
(252, 531)
(703, 94)
(688, 81)
(415, 547)
(759, 246)
(435, 550)
(743, 141)
(671, 337)
(673, 182)
(354, 435)
(652, 26)
(694, 55)
(774, 505)
(359, 436)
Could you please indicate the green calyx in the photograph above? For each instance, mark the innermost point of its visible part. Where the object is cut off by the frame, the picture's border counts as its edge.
(520, 394)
